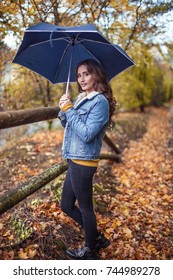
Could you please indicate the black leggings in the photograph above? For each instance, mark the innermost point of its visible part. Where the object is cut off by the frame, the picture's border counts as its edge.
(78, 186)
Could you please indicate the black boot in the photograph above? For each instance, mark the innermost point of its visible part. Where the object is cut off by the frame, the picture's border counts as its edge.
(101, 242)
(84, 253)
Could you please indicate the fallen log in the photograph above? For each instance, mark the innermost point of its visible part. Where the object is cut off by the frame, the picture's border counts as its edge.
(113, 157)
(109, 142)
(20, 117)
(22, 191)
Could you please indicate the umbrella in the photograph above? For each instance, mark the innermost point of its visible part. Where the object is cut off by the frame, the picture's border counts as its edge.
(55, 51)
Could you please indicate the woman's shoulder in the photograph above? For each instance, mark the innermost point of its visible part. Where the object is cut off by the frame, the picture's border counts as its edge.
(95, 95)
(100, 103)
(101, 98)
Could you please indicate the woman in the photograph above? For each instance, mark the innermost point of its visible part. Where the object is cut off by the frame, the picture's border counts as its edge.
(85, 124)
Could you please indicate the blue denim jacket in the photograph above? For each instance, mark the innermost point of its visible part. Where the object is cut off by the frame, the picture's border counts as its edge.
(85, 125)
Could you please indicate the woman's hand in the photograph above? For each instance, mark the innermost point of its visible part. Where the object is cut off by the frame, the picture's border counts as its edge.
(64, 100)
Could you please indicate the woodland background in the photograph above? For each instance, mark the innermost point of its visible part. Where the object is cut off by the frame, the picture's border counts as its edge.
(132, 198)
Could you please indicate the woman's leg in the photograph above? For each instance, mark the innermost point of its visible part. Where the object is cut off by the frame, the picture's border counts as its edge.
(81, 181)
(68, 200)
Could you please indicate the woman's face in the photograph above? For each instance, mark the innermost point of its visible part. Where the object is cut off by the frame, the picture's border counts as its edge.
(85, 79)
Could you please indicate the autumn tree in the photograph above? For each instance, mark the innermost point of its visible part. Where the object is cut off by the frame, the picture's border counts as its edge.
(148, 83)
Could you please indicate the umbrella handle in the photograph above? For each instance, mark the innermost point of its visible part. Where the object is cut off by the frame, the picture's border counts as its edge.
(69, 71)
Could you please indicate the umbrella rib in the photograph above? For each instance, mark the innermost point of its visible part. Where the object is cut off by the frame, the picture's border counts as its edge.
(71, 42)
(90, 53)
(108, 44)
(49, 41)
(93, 41)
(73, 39)
(57, 72)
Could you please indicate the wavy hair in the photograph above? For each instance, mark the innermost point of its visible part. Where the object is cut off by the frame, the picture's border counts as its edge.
(101, 85)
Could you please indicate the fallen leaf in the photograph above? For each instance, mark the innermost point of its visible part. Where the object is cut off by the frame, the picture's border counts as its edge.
(1, 226)
(128, 232)
(22, 255)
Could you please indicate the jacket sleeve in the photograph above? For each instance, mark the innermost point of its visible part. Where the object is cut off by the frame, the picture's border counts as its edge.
(62, 118)
(97, 118)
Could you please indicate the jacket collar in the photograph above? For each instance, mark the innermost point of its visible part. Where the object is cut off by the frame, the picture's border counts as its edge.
(92, 94)
(84, 96)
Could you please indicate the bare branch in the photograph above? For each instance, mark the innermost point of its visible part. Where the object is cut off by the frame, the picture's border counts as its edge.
(138, 17)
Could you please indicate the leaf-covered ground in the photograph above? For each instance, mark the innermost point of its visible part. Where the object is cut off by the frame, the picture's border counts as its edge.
(133, 199)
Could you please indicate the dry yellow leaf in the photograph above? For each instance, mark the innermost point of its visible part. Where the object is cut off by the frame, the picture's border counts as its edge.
(11, 237)
(1, 226)
(151, 248)
(109, 230)
(53, 206)
(118, 223)
(6, 233)
(128, 232)
(104, 221)
(32, 253)
(126, 211)
(115, 224)
(22, 255)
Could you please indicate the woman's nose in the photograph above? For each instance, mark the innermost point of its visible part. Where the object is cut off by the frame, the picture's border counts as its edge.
(82, 78)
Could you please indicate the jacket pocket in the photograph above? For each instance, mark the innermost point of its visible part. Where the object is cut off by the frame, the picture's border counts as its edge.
(83, 114)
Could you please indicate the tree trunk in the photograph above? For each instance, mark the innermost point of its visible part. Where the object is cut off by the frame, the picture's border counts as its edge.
(142, 108)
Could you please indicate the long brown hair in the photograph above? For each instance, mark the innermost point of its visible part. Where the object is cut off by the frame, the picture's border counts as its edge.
(101, 84)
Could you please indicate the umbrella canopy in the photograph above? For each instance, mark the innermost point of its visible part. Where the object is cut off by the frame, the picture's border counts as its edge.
(55, 51)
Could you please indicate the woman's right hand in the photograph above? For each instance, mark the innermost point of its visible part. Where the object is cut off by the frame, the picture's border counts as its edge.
(64, 100)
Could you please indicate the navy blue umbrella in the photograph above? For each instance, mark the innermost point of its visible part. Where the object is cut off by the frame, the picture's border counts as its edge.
(55, 51)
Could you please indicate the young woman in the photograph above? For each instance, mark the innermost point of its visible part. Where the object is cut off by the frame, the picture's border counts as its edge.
(85, 124)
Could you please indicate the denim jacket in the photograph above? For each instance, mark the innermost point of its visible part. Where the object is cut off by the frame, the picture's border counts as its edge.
(85, 125)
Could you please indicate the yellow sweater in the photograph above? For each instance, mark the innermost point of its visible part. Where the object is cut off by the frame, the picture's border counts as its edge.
(93, 163)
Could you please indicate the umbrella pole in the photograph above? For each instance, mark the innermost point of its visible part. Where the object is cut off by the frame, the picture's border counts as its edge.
(67, 87)
(69, 71)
